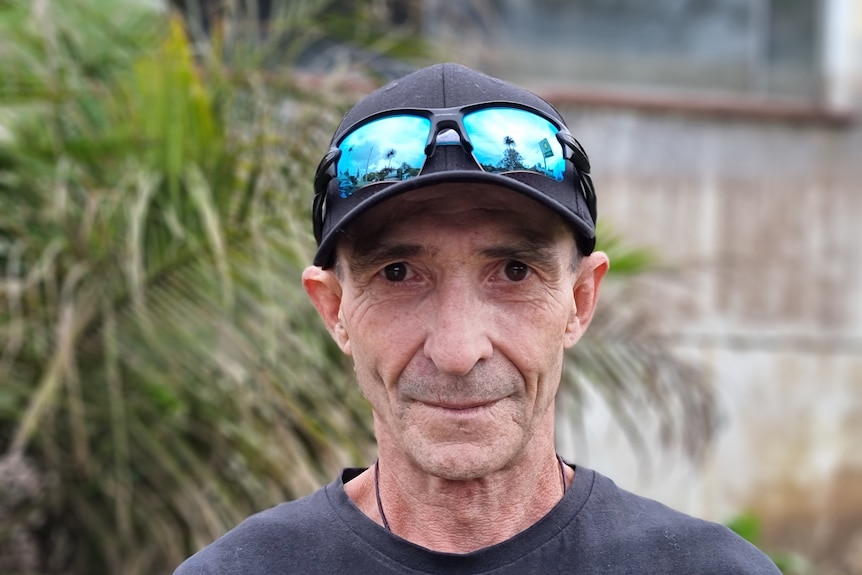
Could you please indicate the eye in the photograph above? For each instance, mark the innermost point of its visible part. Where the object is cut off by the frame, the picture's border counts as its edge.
(396, 272)
(516, 271)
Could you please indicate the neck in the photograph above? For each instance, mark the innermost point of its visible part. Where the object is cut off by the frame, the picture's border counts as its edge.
(465, 515)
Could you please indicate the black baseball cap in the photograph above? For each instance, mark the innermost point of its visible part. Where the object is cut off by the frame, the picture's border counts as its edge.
(447, 86)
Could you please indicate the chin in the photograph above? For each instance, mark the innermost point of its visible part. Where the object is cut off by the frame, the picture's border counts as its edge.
(463, 462)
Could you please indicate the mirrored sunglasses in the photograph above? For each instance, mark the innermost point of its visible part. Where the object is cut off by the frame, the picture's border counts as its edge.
(501, 137)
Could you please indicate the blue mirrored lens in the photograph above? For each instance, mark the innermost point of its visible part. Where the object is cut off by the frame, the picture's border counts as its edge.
(510, 139)
(384, 150)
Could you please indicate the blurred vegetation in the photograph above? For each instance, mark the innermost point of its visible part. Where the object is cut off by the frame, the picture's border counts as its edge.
(163, 375)
(160, 366)
(747, 525)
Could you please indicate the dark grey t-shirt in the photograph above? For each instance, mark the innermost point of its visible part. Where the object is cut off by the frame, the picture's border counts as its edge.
(596, 528)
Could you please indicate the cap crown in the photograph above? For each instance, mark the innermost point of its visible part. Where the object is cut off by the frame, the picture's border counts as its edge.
(441, 86)
(448, 86)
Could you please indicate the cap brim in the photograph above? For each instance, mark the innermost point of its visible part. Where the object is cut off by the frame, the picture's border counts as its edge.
(385, 191)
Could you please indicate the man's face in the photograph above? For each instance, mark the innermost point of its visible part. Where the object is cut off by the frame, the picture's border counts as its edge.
(456, 304)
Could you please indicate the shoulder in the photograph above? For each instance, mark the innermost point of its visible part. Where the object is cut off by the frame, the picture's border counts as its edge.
(261, 543)
(627, 525)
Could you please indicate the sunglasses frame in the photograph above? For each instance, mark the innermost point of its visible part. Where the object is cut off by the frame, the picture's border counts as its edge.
(443, 119)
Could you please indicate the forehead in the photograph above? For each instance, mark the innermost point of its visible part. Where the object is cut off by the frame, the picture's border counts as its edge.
(423, 214)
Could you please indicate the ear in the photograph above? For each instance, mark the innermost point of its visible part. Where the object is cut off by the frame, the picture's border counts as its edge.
(591, 271)
(324, 289)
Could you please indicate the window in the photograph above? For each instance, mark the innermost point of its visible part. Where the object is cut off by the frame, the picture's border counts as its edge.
(756, 48)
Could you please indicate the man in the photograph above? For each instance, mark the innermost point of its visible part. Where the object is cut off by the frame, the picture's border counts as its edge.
(455, 218)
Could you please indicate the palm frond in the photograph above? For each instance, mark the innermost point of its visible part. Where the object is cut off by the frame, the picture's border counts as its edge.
(651, 388)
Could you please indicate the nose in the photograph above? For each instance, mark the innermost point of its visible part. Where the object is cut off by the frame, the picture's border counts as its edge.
(458, 334)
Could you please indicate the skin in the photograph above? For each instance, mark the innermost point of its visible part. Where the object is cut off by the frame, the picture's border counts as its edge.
(456, 304)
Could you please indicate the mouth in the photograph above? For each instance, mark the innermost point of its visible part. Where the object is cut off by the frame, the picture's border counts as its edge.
(464, 407)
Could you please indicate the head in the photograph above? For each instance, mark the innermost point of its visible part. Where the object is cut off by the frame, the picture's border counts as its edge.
(455, 219)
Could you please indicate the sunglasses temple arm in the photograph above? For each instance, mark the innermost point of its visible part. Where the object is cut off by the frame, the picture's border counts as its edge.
(324, 174)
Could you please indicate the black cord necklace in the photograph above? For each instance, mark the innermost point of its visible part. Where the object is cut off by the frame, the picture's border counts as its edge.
(380, 503)
(377, 494)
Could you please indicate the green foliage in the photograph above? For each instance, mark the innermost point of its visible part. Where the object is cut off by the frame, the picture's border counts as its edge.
(376, 27)
(160, 364)
(748, 526)
(626, 260)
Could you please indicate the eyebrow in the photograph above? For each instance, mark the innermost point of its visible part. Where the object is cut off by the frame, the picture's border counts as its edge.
(367, 257)
(536, 252)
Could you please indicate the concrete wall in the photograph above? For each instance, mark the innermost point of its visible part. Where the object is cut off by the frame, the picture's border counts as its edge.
(759, 222)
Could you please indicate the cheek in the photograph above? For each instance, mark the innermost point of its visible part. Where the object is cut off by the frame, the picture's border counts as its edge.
(383, 341)
(533, 341)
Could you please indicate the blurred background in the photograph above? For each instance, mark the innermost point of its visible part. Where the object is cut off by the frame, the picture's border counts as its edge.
(162, 375)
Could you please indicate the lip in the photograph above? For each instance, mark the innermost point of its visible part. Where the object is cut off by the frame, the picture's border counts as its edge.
(461, 407)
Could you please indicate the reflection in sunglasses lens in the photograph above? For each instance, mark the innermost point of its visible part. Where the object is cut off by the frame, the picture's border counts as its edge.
(388, 149)
(509, 139)
(392, 148)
